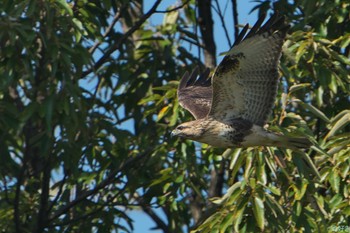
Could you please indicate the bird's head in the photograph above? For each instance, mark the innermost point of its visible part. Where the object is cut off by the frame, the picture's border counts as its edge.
(190, 130)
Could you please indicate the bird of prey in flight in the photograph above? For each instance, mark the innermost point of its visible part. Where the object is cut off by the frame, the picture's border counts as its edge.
(231, 107)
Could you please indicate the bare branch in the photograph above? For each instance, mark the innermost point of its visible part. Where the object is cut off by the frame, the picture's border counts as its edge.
(235, 18)
(44, 197)
(79, 218)
(59, 193)
(16, 212)
(205, 22)
(108, 31)
(116, 46)
(148, 210)
(217, 180)
(223, 24)
(110, 179)
(192, 42)
(91, 213)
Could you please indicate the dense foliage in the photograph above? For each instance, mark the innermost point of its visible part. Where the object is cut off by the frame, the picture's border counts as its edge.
(88, 98)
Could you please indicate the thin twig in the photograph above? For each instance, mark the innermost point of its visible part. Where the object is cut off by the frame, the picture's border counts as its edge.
(90, 213)
(107, 32)
(148, 210)
(196, 26)
(221, 16)
(193, 42)
(112, 176)
(126, 35)
(59, 193)
(79, 218)
(175, 8)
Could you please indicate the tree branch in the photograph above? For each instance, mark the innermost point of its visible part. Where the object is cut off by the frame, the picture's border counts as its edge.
(175, 8)
(205, 22)
(44, 197)
(116, 46)
(60, 190)
(160, 223)
(108, 31)
(110, 179)
(221, 16)
(235, 18)
(16, 213)
(217, 180)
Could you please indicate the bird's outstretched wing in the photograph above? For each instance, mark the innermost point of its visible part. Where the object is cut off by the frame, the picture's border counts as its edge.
(245, 82)
(195, 93)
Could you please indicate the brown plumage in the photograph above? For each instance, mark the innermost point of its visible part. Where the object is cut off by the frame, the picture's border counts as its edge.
(232, 106)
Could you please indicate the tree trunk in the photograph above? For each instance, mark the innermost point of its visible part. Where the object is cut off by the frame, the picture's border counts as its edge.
(205, 22)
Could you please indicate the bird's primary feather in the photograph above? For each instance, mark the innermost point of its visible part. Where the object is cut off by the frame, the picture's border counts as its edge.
(195, 93)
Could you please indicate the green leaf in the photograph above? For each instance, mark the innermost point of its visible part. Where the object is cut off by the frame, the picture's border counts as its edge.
(65, 6)
(248, 165)
(229, 195)
(300, 189)
(335, 201)
(334, 180)
(318, 113)
(163, 112)
(171, 17)
(274, 190)
(301, 50)
(345, 41)
(259, 212)
(239, 211)
(236, 161)
(297, 87)
(339, 124)
(274, 206)
(226, 222)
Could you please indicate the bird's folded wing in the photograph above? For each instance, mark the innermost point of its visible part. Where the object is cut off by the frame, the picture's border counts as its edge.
(245, 82)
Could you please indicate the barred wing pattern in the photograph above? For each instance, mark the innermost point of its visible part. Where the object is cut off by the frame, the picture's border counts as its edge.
(195, 93)
(245, 82)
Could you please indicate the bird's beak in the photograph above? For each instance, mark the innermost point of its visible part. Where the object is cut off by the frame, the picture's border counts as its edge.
(174, 133)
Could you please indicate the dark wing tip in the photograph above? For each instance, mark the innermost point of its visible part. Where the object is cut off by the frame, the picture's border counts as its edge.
(256, 26)
(241, 35)
(195, 79)
(204, 80)
(193, 76)
(183, 81)
(275, 23)
(188, 79)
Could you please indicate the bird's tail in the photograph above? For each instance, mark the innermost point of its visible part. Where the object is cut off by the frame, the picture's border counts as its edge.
(290, 142)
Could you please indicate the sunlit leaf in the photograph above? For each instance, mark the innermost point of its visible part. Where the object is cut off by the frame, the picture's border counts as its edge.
(339, 124)
(297, 87)
(259, 212)
(314, 110)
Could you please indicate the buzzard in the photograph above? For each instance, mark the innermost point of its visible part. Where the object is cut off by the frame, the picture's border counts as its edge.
(232, 106)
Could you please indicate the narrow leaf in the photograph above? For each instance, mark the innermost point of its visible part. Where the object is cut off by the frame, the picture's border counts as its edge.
(259, 212)
(314, 110)
(297, 87)
(339, 125)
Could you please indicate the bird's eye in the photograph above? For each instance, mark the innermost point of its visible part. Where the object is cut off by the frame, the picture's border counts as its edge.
(180, 127)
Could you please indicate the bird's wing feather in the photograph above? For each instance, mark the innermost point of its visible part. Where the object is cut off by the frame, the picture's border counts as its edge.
(245, 82)
(195, 93)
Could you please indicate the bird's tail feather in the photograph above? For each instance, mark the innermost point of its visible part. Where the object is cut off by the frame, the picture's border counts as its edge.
(300, 142)
(292, 142)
